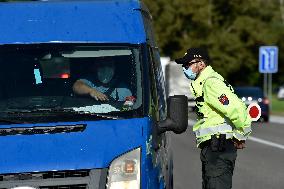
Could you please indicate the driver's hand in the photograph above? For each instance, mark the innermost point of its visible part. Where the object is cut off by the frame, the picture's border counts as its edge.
(98, 95)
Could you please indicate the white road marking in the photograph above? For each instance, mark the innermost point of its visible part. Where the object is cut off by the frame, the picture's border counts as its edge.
(191, 122)
(255, 139)
(266, 142)
(277, 119)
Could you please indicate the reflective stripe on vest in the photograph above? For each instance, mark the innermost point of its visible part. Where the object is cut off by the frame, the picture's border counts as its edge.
(247, 130)
(240, 136)
(223, 128)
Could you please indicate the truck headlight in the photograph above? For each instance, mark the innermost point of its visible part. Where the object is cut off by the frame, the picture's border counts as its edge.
(124, 172)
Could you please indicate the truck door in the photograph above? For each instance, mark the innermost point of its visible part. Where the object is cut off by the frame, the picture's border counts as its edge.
(161, 142)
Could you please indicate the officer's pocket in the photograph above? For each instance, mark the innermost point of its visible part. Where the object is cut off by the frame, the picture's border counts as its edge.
(219, 163)
(218, 169)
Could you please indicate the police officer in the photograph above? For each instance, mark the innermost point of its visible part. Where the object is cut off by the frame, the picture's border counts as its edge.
(223, 122)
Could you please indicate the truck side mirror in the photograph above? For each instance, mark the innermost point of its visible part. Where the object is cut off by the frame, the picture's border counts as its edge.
(177, 119)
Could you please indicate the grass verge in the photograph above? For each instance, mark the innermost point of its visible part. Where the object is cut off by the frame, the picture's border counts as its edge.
(277, 106)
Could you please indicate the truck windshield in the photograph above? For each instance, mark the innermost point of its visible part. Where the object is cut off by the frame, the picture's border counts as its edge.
(72, 78)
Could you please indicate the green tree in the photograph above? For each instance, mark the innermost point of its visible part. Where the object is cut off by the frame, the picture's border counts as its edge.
(232, 31)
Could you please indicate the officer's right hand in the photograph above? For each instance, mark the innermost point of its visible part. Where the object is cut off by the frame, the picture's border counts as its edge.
(98, 95)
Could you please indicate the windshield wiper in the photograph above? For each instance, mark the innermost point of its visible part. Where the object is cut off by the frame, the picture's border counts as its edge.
(54, 111)
(10, 121)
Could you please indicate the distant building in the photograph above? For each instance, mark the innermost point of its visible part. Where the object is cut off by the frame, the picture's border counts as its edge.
(176, 82)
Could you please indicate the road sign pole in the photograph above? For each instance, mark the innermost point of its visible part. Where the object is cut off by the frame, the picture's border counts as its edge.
(268, 64)
(270, 90)
(265, 84)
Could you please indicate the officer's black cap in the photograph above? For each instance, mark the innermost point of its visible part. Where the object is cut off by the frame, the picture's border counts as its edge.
(193, 53)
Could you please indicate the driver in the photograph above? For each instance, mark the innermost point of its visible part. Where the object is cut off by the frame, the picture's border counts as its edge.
(107, 87)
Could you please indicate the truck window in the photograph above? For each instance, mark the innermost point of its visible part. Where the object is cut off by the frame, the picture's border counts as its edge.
(42, 77)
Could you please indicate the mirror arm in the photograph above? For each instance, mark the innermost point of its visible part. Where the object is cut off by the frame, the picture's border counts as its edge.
(165, 125)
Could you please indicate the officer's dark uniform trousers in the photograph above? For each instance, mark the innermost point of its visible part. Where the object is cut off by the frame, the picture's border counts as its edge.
(218, 165)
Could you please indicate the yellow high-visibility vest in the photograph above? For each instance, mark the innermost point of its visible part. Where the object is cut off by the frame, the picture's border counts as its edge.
(218, 108)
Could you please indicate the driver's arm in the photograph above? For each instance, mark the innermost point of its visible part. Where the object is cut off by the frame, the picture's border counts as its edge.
(81, 88)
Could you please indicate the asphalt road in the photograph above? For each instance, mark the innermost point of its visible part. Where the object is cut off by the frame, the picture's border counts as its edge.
(259, 166)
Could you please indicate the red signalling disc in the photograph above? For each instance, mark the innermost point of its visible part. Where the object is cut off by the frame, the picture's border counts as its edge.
(254, 111)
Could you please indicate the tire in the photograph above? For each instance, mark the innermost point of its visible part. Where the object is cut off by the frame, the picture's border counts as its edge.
(170, 180)
(266, 119)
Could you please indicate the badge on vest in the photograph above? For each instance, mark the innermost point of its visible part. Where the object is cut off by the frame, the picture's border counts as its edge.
(224, 99)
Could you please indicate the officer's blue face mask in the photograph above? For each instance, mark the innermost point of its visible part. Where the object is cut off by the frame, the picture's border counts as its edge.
(189, 73)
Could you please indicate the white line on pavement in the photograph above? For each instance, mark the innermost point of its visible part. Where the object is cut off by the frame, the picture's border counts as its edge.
(191, 122)
(255, 139)
(276, 119)
(266, 142)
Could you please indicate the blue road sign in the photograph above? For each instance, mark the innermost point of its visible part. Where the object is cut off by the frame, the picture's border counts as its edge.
(268, 59)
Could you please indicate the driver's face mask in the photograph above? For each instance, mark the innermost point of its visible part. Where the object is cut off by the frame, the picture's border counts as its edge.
(105, 73)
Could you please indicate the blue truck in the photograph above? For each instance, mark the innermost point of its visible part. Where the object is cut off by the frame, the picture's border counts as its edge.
(52, 137)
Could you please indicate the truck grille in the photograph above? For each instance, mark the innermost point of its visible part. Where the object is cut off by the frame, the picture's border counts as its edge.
(82, 186)
(74, 179)
(44, 175)
(41, 130)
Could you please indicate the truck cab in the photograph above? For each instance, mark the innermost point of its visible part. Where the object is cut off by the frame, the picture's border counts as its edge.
(52, 136)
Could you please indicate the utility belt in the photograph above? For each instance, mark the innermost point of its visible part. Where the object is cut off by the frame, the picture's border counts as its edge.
(216, 143)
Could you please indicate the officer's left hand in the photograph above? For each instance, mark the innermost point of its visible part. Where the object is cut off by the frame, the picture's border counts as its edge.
(239, 144)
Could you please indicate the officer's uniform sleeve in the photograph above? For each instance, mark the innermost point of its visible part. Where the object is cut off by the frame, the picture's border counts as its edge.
(221, 98)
